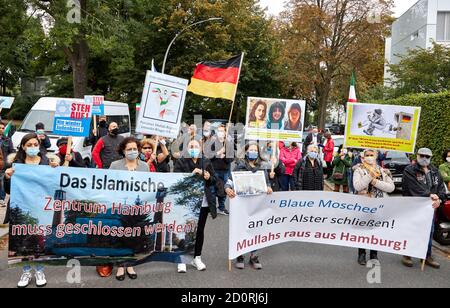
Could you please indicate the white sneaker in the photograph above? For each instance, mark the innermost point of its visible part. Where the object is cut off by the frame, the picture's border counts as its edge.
(198, 264)
(40, 279)
(25, 279)
(181, 268)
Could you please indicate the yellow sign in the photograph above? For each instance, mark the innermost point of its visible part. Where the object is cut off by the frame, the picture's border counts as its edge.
(382, 127)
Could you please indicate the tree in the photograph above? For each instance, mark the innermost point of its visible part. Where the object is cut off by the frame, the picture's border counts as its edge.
(12, 52)
(422, 71)
(323, 41)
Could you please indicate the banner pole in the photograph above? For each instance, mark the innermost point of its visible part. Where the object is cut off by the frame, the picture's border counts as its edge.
(229, 266)
(423, 265)
(95, 124)
(69, 149)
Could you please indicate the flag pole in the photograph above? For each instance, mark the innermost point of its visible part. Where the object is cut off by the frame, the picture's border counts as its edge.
(235, 90)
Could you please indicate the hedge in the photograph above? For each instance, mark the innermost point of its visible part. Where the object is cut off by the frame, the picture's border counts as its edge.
(434, 128)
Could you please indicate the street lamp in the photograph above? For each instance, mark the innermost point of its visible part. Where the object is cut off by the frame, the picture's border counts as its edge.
(181, 32)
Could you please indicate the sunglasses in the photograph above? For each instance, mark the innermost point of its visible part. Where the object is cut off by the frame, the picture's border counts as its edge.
(425, 156)
(146, 148)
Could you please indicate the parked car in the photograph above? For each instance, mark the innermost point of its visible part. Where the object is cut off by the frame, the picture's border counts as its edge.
(442, 225)
(396, 162)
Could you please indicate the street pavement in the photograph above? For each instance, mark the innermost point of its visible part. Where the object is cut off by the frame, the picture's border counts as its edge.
(288, 265)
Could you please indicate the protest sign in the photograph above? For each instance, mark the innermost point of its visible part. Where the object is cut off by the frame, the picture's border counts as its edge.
(6, 102)
(247, 183)
(275, 119)
(395, 225)
(382, 127)
(98, 104)
(162, 105)
(102, 216)
(72, 118)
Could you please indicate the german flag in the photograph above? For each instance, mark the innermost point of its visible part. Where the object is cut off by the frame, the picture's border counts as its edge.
(217, 79)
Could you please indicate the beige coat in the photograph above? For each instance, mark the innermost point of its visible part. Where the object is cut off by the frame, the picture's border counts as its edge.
(362, 180)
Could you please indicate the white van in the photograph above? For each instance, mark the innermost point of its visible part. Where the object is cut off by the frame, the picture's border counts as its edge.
(44, 111)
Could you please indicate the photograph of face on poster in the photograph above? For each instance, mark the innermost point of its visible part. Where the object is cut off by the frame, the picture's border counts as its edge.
(275, 119)
(393, 122)
(275, 114)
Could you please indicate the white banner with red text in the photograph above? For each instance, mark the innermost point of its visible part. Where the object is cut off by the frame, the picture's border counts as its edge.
(395, 225)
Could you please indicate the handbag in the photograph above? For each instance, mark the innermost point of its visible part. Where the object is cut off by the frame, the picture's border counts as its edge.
(338, 176)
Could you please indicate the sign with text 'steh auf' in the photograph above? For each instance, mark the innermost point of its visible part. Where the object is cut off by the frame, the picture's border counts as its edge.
(72, 118)
(98, 104)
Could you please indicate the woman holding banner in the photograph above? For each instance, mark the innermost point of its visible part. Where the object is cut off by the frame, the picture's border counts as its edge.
(203, 168)
(251, 163)
(372, 181)
(29, 153)
(130, 149)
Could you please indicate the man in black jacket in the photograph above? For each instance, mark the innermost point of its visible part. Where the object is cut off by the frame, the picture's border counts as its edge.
(313, 138)
(424, 180)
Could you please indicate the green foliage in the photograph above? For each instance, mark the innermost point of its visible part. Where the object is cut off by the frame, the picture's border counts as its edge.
(422, 71)
(434, 128)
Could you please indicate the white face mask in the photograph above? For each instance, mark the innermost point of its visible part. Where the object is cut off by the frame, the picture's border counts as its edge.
(370, 160)
(448, 159)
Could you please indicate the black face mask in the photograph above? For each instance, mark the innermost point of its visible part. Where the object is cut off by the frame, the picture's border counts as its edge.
(114, 132)
(102, 124)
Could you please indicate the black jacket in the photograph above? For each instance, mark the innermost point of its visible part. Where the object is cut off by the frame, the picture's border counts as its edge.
(415, 183)
(7, 147)
(76, 162)
(187, 165)
(308, 141)
(219, 163)
(307, 177)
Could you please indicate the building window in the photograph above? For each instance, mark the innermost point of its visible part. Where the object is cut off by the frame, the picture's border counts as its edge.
(443, 27)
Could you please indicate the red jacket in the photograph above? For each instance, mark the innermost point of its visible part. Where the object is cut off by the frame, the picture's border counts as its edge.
(328, 151)
(289, 158)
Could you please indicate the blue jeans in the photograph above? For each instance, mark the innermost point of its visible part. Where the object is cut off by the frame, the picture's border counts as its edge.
(287, 182)
(350, 181)
(2, 187)
(224, 175)
(430, 245)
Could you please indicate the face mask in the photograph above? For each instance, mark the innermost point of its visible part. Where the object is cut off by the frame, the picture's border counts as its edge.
(370, 160)
(313, 155)
(206, 133)
(269, 151)
(448, 159)
(221, 135)
(252, 156)
(40, 132)
(63, 149)
(287, 144)
(162, 141)
(424, 162)
(32, 152)
(194, 153)
(102, 124)
(114, 132)
(132, 155)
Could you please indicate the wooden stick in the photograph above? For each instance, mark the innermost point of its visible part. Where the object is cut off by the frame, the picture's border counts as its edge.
(95, 124)
(69, 149)
(274, 149)
(229, 266)
(423, 265)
